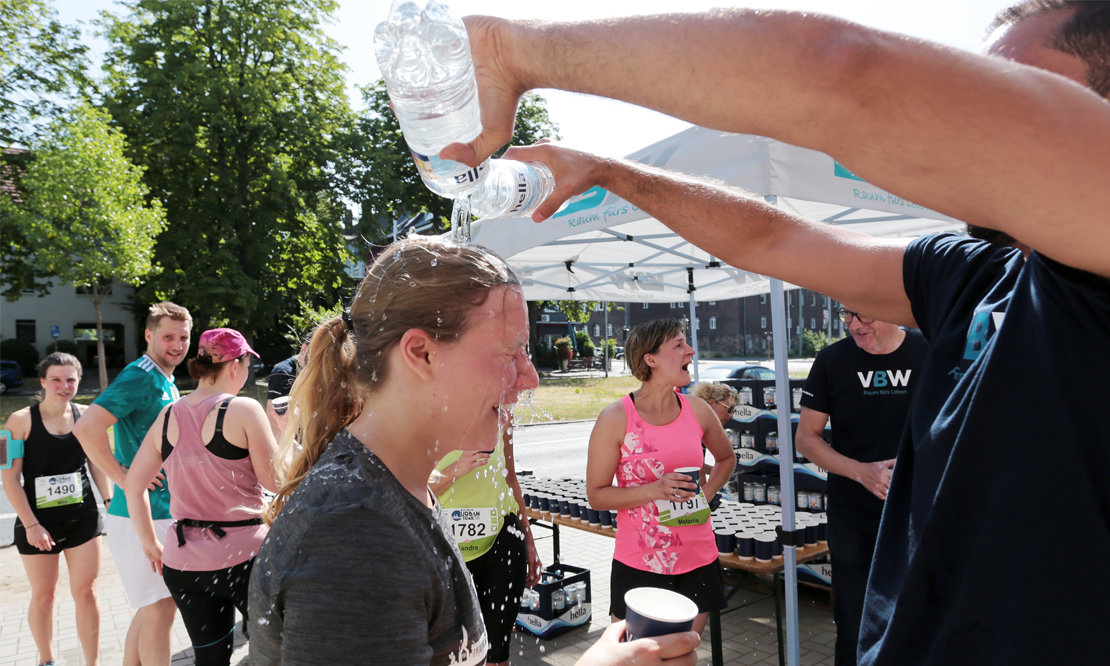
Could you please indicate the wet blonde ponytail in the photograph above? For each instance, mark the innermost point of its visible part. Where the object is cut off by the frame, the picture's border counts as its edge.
(320, 406)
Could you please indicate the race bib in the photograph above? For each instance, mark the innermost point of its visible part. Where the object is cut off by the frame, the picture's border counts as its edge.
(473, 524)
(693, 511)
(60, 490)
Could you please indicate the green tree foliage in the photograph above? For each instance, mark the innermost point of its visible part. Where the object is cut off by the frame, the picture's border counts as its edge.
(83, 210)
(42, 63)
(42, 68)
(306, 319)
(584, 342)
(235, 108)
(379, 173)
(813, 342)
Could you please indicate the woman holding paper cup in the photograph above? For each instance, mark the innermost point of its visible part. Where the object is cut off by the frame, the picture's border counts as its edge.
(651, 440)
(55, 506)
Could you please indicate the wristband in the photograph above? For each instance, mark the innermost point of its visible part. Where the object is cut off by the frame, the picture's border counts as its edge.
(10, 449)
(27, 527)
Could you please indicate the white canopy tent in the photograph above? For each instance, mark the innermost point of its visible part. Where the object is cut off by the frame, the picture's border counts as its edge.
(602, 248)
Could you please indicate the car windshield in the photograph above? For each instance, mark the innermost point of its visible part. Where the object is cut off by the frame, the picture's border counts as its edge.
(757, 373)
(718, 372)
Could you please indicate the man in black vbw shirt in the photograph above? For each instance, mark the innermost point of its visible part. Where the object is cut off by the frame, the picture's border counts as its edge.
(866, 385)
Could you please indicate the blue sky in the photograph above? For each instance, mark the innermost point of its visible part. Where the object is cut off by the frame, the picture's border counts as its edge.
(603, 126)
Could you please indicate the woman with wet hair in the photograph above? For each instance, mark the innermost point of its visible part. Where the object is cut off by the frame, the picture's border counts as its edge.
(56, 509)
(359, 565)
(218, 453)
(663, 538)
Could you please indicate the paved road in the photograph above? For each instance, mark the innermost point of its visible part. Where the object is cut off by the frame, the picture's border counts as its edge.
(553, 450)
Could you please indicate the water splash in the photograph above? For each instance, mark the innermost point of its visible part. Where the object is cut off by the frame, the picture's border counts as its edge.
(528, 411)
(460, 219)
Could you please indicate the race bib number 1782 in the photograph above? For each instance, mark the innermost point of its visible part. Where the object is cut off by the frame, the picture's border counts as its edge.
(470, 524)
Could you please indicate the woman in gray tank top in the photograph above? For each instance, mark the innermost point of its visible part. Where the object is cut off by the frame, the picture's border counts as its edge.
(359, 565)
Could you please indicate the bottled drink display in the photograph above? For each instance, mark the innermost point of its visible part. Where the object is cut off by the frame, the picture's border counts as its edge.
(424, 57)
(512, 189)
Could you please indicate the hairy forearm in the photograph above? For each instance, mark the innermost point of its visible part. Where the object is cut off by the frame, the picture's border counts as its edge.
(818, 450)
(751, 234)
(968, 136)
(660, 62)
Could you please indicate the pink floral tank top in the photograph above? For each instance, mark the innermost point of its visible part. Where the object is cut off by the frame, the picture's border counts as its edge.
(647, 453)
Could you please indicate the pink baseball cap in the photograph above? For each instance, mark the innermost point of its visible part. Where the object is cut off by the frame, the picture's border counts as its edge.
(224, 344)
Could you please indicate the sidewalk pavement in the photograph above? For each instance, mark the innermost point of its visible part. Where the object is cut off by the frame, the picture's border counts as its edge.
(748, 634)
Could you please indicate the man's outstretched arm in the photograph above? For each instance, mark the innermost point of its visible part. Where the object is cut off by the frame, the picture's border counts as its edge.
(862, 272)
(984, 140)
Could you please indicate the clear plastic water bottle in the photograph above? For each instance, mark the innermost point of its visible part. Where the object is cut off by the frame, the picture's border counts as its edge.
(512, 189)
(425, 60)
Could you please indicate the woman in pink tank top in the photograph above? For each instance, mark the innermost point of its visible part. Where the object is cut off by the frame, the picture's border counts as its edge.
(663, 534)
(218, 453)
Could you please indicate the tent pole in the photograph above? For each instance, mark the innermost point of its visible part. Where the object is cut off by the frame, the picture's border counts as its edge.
(786, 460)
(693, 320)
(786, 465)
(605, 338)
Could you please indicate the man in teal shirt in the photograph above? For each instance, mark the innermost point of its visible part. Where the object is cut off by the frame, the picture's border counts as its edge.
(130, 405)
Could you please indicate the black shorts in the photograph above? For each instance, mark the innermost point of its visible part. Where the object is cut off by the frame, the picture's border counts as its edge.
(499, 576)
(66, 534)
(703, 586)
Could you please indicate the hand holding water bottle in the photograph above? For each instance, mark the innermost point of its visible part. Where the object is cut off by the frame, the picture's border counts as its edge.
(424, 57)
(501, 89)
(573, 171)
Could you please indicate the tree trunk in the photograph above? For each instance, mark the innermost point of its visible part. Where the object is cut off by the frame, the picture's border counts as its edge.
(97, 300)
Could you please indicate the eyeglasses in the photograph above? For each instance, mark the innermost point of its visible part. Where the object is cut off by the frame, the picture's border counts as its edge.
(730, 409)
(845, 315)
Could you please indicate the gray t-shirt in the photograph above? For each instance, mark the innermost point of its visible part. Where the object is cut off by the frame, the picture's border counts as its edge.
(356, 570)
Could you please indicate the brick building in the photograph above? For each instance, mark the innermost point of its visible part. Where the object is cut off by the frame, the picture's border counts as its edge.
(737, 327)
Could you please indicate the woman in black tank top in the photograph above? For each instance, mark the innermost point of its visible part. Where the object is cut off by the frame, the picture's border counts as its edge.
(56, 506)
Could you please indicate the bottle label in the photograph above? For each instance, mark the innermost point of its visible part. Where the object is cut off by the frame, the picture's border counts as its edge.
(523, 194)
(433, 168)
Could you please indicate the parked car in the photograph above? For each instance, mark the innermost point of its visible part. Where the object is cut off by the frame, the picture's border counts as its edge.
(719, 373)
(11, 375)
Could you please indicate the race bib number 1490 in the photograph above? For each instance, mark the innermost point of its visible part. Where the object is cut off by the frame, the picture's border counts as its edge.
(59, 490)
